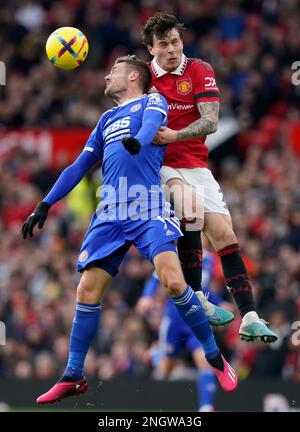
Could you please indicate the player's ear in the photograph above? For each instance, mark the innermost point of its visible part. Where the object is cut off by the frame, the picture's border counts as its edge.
(150, 49)
(133, 76)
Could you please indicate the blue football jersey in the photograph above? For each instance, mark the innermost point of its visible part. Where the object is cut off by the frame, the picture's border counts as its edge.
(208, 263)
(128, 177)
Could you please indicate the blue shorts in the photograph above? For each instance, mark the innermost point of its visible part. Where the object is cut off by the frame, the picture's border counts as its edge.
(174, 336)
(107, 241)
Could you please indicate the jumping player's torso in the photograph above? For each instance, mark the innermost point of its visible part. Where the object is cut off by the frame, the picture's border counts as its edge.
(191, 83)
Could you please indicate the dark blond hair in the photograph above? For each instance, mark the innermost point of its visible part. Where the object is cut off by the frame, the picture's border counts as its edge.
(139, 65)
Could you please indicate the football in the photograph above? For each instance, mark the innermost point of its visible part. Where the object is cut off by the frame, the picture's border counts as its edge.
(67, 48)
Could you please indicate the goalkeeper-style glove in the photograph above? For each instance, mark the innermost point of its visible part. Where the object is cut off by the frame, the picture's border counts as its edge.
(132, 145)
(39, 215)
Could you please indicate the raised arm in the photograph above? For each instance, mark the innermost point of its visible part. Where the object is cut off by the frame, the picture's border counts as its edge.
(154, 116)
(152, 120)
(205, 125)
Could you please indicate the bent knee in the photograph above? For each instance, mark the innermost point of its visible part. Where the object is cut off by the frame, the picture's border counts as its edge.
(87, 288)
(223, 238)
(228, 237)
(175, 288)
(173, 282)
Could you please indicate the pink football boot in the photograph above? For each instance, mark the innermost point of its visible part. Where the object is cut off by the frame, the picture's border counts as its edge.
(227, 378)
(62, 390)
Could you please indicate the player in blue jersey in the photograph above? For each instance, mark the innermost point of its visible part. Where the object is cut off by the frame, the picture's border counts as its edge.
(175, 335)
(132, 211)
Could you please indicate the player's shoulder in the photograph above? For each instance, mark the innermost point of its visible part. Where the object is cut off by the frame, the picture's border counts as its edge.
(155, 97)
(109, 112)
(199, 64)
(106, 115)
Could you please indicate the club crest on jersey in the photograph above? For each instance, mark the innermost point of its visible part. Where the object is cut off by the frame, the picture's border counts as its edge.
(135, 107)
(184, 86)
(155, 98)
(83, 256)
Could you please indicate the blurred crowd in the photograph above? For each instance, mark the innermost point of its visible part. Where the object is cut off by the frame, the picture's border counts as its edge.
(252, 45)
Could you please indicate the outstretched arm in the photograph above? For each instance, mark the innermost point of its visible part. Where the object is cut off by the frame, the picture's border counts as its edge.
(71, 176)
(205, 125)
(68, 179)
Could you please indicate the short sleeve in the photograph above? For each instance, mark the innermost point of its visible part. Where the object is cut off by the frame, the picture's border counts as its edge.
(94, 143)
(157, 102)
(205, 87)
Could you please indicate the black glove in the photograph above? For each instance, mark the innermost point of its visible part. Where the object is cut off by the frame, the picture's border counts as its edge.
(39, 215)
(132, 145)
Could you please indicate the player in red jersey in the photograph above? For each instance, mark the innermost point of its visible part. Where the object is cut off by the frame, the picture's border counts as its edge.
(193, 101)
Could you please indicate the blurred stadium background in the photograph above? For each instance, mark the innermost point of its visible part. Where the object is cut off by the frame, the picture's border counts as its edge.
(46, 116)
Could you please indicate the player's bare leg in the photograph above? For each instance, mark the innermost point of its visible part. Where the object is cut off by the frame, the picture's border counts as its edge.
(92, 285)
(90, 290)
(190, 210)
(218, 229)
(187, 204)
(165, 367)
(189, 308)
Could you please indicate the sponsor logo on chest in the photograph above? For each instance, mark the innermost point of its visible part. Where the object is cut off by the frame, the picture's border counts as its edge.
(180, 107)
(117, 125)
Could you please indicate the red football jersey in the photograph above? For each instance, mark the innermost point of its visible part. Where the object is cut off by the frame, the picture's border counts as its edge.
(192, 82)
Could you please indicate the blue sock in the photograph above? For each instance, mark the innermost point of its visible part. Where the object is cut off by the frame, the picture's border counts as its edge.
(206, 387)
(192, 312)
(85, 326)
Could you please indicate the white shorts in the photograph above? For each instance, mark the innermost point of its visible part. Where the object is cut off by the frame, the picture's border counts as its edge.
(210, 192)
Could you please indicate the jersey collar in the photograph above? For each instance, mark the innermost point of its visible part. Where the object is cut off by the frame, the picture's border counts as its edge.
(159, 71)
(130, 100)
